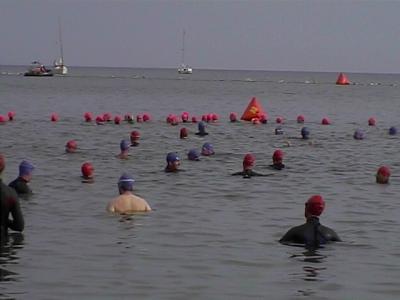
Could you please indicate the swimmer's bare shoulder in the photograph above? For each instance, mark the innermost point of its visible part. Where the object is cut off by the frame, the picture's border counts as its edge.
(128, 204)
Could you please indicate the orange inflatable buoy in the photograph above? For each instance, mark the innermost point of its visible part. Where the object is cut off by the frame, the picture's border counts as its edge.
(253, 110)
(342, 80)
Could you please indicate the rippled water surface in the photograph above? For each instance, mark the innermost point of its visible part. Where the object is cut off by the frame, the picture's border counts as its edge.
(211, 235)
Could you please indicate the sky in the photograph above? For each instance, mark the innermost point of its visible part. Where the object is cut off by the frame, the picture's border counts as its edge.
(289, 35)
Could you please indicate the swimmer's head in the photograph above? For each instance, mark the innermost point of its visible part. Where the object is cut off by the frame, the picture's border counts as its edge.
(11, 115)
(139, 118)
(124, 145)
(300, 119)
(202, 127)
(172, 157)
(372, 121)
(193, 154)
(278, 130)
(194, 119)
(326, 121)
(207, 149)
(71, 146)
(214, 117)
(146, 117)
(125, 183)
(314, 206)
(183, 133)
(2, 163)
(54, 117)
(135, 135)
(392, 130)
(117, 120)
(88, 117)
(263, 119)
(3, 119)
(359, 134)
(25, 168)
(99, 120)
(305, 133)
(233, 117)
(383, 174)
(185, 116)
(87, 170)
(248, 161)
(277, 157)
(279, 120)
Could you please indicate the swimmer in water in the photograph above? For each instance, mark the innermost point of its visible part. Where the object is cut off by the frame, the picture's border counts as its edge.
(392, 130)
(183, 133)
(312, 234)
(127, 202)
(87, 173)
(9, 205)
(124, 146)
(20, 184)
(249, 161)
(71, 146)
(173, 163)
(382, 175)
(207, 149)
(277, 160)
(202, 129)
(135, 136)
(194, 155)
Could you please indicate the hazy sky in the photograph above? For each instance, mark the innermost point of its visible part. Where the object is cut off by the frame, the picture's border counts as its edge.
(309, 35)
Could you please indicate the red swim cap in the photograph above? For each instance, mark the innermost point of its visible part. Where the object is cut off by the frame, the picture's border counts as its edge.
(88, 116)
(279, 120)
(2, 163)
(249, 160)
(278, 155)
(372, 121)
(384, 171)
(117, 120)
(99, 119)
(185, 116)
(194, 120)
(326, 121)
(315, 205)
(11, 115)
(107, 117)
(300, 119)
(54, 117)
(87, 170)
(183, 133)
(71, 146)
(233, 117)
(139, 118)
(2, 119)
(135, 134)
(146, 117)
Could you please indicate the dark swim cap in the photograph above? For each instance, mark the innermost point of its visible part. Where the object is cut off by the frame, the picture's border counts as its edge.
(125, 182)
(305, 132)
(359, 134)
(278, 130)
(392, 130)
(207, 149)
(124, 145)
(193, 155)
(202, 126)
(172, 157)
(25, 168)
(87, 170)
(233, 117)
(315, 205)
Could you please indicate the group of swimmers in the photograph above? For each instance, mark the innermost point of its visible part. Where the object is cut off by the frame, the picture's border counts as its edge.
(311, 234)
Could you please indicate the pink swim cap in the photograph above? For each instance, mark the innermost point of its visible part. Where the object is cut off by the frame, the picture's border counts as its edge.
(107, 117)
(326, 121)
(183, 133)
(135, 135)
(117, 120)
(3, 119)
(278, 155)
(279, 120)
(300, 119)
(54, 117)
(204, 118)
(99, 120)
(214, 117)
(146, 117)
(233, 117)
(384, 171)
(87, 170)
(249, 160)
(88, 116)
(315, 205)
(194, 119)
(372, 121)
(71, 146)
(185, 116)
(11, 115)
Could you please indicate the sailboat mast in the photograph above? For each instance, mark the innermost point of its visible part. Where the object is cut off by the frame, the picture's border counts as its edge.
(60, 37)
(183, 47)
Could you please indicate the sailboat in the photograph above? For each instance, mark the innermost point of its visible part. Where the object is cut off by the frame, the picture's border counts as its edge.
(184, 69)
(59, 67)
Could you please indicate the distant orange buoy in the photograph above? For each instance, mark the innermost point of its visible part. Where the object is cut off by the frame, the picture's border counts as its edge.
(342, 80)
(253, 110)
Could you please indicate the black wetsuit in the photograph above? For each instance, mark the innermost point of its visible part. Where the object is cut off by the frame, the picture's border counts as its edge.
(277, 166)
(21, 186)
(201, 133)
(312, 234)
(9, 204)
(248, 174)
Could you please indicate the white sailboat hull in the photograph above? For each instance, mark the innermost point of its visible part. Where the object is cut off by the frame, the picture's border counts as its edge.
(185, 70)
(60, 70)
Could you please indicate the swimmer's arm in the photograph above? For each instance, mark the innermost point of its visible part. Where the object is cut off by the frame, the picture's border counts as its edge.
(237, 173)
(17, 223)
(288, 238)
(110, 208)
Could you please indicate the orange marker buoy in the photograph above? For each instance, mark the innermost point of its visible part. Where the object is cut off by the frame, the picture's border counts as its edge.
(253, 110)
(342, 80)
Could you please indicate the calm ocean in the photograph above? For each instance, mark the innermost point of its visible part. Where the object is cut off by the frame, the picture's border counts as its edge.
(211, 235)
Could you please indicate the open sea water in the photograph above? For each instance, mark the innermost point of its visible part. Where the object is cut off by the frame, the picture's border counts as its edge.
(211, 235)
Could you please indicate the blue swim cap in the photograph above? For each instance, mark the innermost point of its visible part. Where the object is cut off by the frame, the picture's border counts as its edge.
(207, 149)
(25, 168)
(172, 156)
(359, 134)
(125, 182)
(392, 130)
(305, 132)
(278, 130)
(193, 155)
(202, 127)
(124, 145)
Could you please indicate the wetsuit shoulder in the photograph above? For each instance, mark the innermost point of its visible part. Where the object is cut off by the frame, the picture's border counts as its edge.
(329, 234)
(294, 235)
(20, 186)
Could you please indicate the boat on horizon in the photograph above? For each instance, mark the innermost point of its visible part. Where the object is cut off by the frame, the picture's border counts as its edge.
(39, 70)
(184, 68)
(59, 67)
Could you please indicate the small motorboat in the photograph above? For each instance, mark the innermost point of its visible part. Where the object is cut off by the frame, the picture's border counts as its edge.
(38, 69)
